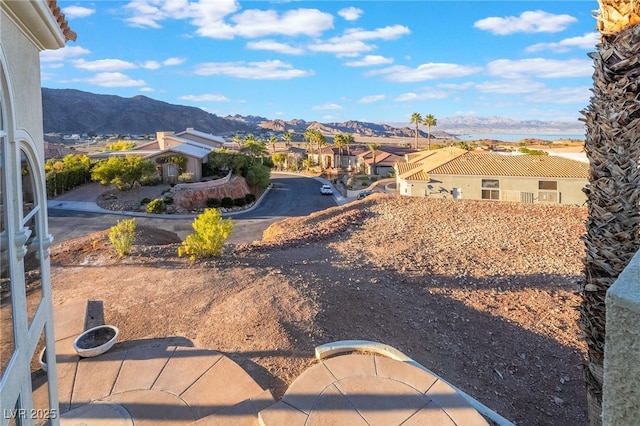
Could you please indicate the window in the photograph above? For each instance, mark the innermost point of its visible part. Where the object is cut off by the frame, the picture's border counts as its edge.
(548, 185)
(490, 189)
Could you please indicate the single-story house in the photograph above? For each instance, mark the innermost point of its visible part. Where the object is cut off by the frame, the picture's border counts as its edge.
(193, 145)
(455, 173)
(358, 156)
(381, 165)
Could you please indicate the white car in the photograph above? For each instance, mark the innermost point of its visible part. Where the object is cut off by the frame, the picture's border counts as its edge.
(326, 189)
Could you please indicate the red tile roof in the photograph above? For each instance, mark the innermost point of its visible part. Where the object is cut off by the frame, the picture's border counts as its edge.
(472, 164)
(62, 22)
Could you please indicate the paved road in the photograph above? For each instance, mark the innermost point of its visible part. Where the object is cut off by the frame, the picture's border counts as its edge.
(290, 196)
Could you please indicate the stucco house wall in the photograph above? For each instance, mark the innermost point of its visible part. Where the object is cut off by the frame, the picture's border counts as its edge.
(569, 190)
(23, 68)
(26, 29)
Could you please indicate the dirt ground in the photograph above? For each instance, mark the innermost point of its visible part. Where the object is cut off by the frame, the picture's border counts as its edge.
(481, 293)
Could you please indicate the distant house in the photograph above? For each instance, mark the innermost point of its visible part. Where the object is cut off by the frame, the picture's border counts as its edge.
(358, 157)
(191, 144)
(455, 173)
(381, 165)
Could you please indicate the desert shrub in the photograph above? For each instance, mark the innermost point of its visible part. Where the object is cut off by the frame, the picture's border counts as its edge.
(145, 201)
(121, 145)
(121, 236)
(227, 202)
(211, 231)
(239, 202)
(250, 198)
(213, 203)
(365, 183)
(124, 173)
(150, 180)
(186, 177)
(155, 206)
(168, 200)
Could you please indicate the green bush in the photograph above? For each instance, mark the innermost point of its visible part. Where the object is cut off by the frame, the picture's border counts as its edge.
(151, 180)
(145, 201)
(211, 231)
(155, 206)
(227, 202)
(186, 177)
(250, 198)
(124, 173)
(239, 202)
(168, 200)
(213, 203)
(121, 236)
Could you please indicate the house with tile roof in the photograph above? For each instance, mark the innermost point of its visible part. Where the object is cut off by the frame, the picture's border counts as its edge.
(455, 173)
(192, 145)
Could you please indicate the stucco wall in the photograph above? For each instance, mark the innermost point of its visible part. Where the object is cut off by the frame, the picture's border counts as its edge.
(622, 349)
(23, 72)
(471, 187)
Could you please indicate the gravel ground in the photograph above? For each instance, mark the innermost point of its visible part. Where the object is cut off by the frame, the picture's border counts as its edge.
(481, 293)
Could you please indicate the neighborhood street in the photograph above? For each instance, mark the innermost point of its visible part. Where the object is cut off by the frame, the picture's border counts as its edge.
(290, 195)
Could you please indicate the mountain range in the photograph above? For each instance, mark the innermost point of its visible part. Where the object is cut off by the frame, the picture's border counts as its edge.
(68, 111)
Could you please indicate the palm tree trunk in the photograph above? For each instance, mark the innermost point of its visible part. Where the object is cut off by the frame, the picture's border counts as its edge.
(613, 193)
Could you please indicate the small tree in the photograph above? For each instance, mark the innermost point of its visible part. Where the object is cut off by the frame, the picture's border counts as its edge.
(211, 231)
(121, 235)
(121, 145)
(124, 173)
(279, 159)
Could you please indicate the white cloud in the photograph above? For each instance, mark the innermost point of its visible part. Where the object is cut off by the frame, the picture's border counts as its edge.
(346, 48)
(456, 86)
(207, 97)
(371, 99)
(391, 32)
(562, 95)
(430, 71)
(149, 13)
(275, 46)
(266, 70)
(112, 79)
(587, 41)
(146, 89)
(528, 22)
(105, 65)
(209, 16)
(350, 13)
(540, 67)
(151, 65)
(74, 12)
(510, 86)
(259, 23)
(424, 96)
(173, 61)
(63, 54)
(370, 60)
(325, 107)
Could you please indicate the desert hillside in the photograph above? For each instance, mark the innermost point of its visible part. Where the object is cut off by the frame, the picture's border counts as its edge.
(482, 293)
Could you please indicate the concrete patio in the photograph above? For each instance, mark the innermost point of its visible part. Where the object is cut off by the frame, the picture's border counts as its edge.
(154, 383)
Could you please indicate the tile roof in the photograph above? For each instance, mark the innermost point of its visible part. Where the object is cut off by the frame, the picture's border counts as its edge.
(472, 164)
(62, 22)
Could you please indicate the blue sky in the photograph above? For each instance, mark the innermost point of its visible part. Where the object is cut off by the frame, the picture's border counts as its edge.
(329, 61)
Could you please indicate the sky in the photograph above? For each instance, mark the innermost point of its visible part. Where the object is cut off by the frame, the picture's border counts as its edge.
(333, 61)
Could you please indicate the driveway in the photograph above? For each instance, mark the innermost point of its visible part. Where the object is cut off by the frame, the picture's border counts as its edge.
(290, 195)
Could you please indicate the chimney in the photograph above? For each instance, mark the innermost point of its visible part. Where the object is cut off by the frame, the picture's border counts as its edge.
(160, 137)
